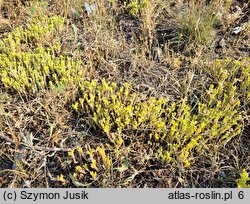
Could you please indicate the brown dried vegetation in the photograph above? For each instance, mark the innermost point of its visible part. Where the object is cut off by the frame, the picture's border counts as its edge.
(124, 93)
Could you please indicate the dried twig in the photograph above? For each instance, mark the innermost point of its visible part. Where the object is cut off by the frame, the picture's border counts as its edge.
(50, 149)
(8, 139)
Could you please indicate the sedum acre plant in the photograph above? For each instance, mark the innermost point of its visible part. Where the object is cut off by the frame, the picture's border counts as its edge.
(178, 130)
(136, 7)
(233, 71)
(30, 72)
(244, 179)
(40, 31)
(215, 122)
(115, 109)
(30, 58)
(89, 161)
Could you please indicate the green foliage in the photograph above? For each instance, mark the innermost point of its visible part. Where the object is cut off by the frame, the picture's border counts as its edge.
(117, 109)
(233, 71)
(89, 164)
(39, 6)
(195, 28)
(177, 129)
(35, 71)
(40, 31)
(136, 7)
(215, 122)
(30, 58)
(244, 179)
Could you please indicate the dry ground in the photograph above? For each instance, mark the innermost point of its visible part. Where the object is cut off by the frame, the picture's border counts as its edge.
(163, 49)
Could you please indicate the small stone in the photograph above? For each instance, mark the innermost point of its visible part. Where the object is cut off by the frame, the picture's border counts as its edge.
(222, 174)
(237, 30)
(27, 184)
(90, 8)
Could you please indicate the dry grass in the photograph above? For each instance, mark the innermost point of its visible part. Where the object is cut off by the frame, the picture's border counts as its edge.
(164, 50)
